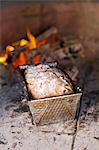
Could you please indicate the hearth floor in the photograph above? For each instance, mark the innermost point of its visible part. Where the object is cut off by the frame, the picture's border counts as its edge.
(18, 133)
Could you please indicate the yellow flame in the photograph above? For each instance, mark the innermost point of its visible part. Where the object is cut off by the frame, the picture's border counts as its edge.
(3, 59)
(9, 48)
(23, 42)
(32, 40)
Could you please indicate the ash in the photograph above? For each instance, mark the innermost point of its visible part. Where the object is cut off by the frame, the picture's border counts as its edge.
(17, 131)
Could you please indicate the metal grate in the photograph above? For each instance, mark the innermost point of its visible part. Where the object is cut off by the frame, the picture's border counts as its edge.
(55, 109)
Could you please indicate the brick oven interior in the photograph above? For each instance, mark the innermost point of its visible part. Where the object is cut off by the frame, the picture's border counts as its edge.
(77, 23)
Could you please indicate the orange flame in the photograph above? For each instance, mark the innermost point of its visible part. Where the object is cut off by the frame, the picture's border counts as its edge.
(50, 39)
(9, 48)
(32, 40)
(21, 60)
(26, 54)
(42, 42)
(37, 58)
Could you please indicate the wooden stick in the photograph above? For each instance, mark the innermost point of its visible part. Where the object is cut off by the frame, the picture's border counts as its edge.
(47, 33)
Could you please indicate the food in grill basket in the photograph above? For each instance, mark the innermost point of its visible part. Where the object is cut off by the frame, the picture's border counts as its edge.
(46, 80)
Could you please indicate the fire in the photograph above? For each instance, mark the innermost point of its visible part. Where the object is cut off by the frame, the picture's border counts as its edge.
(23, 51)
(50, 39)
(37, 58)
(21, 60)
(32, 40)
(3, 58)
(23, 42)
(42, 42)
(9, 48)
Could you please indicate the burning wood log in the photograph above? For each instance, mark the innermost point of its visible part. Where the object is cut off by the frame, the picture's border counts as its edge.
(49, 40)
(46, 81)
(47, 33)
(23, 51)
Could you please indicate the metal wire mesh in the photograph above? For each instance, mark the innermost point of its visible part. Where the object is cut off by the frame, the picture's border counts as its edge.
(52, 110)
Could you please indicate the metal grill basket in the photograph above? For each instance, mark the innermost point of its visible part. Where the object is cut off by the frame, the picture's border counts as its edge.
(55, 109)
